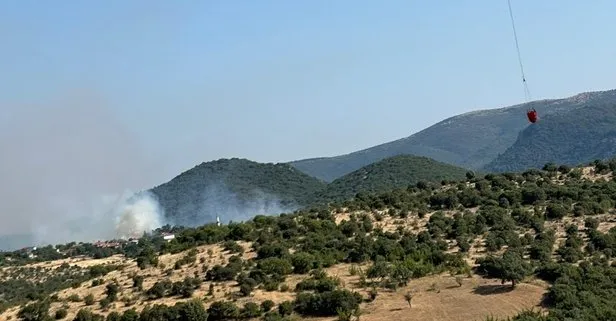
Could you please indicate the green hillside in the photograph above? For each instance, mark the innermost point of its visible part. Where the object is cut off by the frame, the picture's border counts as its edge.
(570, 137)
(234, 189)
(237, 189)
(471, 140)
(390, 173)
(494, 241)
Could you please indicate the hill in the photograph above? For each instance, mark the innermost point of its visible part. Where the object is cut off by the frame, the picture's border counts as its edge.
(570, 137)
(390, 173)
(237, 189)
(530, 244)
(234, 189)
(471, 140)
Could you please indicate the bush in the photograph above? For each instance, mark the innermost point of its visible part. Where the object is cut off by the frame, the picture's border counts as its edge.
(87, 315)
(555, 211)
(250, 310)
(116, 316)
(35, 311)
(246, 289)
(327, 303)
(285, 308)
(591, 223)
(111, 291)
(277, 266)
(267, 305)
(74, 298)
(222, 310)
(138, 282)
(89, 299)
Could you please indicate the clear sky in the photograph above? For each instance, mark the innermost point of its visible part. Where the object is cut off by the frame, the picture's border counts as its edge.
(280, 80)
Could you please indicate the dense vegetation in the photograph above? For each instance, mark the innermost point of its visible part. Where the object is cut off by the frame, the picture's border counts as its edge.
(516, 214)
(238, 188)
(570, 137)
(394, 172)
(472, 140)
(233, 185)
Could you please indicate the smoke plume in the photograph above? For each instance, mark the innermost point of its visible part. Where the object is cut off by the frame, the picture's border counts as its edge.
(137, 214)
(200, 207)
(64, 165)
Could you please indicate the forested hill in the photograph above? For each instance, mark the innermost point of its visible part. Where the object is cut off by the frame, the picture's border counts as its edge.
(237, 188)
(569, 137)
(471, 140)
(390, 173)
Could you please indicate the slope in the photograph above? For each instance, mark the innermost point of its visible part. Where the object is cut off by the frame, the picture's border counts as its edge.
(390, 173)
(491, 246)
(470, 140)
(235, 189)
(572, 137)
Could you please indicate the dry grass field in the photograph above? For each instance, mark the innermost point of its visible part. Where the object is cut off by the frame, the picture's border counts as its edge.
(436, 297)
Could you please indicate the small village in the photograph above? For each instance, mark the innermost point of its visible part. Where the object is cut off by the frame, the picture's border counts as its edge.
(163, 232)
(31, 252)
(118, 243)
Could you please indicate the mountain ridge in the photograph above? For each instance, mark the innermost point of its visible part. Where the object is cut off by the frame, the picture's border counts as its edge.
(569, 138)
(469, 140)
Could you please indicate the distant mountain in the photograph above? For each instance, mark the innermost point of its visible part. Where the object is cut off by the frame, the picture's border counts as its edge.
(471, 140)
(573, 130)
(235, 189)
(390, 173)
(571, 137)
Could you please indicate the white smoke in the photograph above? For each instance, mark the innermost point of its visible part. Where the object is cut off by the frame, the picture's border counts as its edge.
(108, 217)
(137, 215)
(216, 199)
(63, 167)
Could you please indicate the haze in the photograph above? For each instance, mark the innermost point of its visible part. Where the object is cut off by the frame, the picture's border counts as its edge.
(101, 97)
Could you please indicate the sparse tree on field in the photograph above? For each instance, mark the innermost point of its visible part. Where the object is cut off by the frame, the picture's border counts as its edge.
(86, 314)
(138, 282)
(372, 294)
(459, 280)
(408, 297)
(513, 267)
(61, 314)
(112, 291)
(89, 299)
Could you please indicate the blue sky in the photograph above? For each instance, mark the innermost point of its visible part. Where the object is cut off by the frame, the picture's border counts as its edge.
(275, 80)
